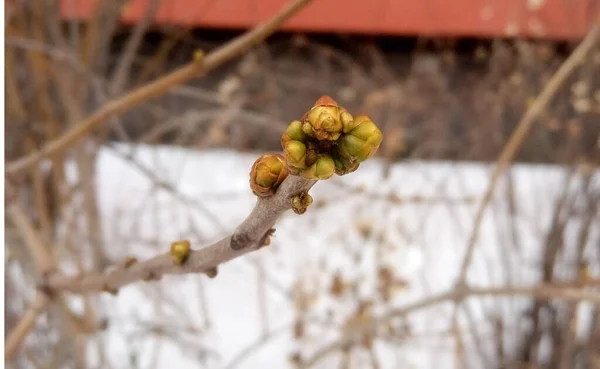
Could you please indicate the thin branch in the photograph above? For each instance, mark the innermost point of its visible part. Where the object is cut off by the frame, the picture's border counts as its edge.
(539, 292)
(249, 236)
(37, 249)
(522, 131)
(156, 88)
(19, 332)
(125, 62)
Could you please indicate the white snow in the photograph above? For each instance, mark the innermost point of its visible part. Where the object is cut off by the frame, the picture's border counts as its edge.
(423, 240)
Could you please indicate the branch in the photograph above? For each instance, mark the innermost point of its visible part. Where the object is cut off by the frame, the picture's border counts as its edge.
(522, 131)
(249, 236)
(538, 292)
(156, 88)
(19, 332)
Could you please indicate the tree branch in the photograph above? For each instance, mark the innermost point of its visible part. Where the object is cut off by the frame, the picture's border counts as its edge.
(522, 131)
(19, 332)
(249, 236)
(568, 293)
(156, 88)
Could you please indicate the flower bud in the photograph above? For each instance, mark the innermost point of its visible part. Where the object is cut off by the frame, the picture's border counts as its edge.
(267, 173)
(301, 202)
(180, 251)
(362, 141)
(323, 168)
(295, 155)
(345, 166)
(325, 120)
(293, 132)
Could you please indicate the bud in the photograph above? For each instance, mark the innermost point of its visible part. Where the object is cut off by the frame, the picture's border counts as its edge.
(323, 168)
(295, 155)
(293, 132)
(345, 166)
(326, 120)
(180, 251)
(362, 141)
(267, 173)
(301, 202)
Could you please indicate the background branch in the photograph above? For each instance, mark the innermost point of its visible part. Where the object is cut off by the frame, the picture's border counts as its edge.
(156, 88)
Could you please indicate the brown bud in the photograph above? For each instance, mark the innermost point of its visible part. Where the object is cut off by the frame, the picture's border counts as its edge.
(268, 172)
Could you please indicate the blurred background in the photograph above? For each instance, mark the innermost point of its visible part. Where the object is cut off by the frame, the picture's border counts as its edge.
(447, 82)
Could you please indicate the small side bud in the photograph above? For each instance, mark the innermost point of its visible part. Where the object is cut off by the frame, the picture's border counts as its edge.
(112, 291)
(180, 251)
(301, 202)
(199, 56)
(211, 272)
(268, 172)
(129, 261)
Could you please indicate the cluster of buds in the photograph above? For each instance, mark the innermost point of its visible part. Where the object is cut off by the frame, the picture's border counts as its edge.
(328, 140)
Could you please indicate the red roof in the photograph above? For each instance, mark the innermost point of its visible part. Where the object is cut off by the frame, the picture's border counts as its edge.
(548, 19)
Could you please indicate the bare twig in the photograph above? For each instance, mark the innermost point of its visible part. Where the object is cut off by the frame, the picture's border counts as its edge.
(520, 134)
(158, 87)
(19, 332)
(125, 62)
(39, 252)
(249, 236)
(539, 292)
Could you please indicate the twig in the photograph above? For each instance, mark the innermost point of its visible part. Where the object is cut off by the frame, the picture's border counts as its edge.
(249, 236)
(158, 87)
(19, 332)
(119, 77)
(39, 252)
(538, 292)
(520, 134)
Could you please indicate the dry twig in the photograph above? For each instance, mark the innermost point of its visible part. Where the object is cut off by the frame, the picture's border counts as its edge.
(156, 88)
(522, 131)
(567, 293)
(19, 332)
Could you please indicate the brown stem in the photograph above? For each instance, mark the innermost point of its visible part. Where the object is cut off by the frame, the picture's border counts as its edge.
(249, 236)
(538, 292)
(156, 88)
(522, 131)
(16, 336)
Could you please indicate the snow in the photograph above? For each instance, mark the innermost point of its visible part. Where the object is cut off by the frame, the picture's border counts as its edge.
(351, 227)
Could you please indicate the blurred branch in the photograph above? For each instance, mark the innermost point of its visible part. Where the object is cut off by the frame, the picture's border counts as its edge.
(126, 60)
(156, 88)
(522, 131)
(16, 336)
(42, 257)
(554, 291)
(250, 235)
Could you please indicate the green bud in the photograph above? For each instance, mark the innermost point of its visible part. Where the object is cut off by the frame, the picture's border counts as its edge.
(268, 172)
(323, 168)
(362, 141)
(295, 154)
(294, 131)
